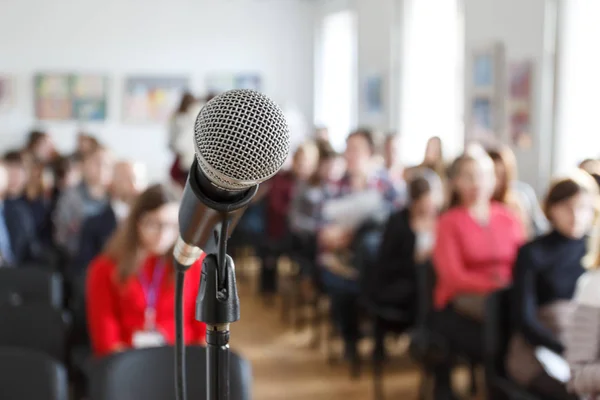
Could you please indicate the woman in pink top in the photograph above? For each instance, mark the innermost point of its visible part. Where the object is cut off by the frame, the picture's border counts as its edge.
(476, 245)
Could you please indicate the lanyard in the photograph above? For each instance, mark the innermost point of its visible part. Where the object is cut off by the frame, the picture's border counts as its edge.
(150, 289)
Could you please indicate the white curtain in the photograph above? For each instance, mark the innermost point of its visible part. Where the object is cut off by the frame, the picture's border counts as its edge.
(578, 124)
(431, 100)
(336, 70)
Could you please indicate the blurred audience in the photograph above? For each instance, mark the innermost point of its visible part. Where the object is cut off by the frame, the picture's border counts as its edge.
(127, 182)
(86, 144)
(18, 242)
(279, 199)
(505, 167)
(37, 198)
(130, 286)
(88, 198)
(39, 147)
(546, 273)
(407, 242)
(17, 174)
(476, 245)
(336, 238)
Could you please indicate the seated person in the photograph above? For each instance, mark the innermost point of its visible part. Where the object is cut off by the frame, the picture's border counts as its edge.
(18, 241)
(335, 239)
(582, 334)
(17, 175)
(407, 242)
(37, 198)
(546, 273)
(84, 200)
(128, 181)
(476, 245)
(131, 285)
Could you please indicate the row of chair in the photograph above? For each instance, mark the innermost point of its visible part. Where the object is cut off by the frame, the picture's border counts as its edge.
(138, 374)
(36, 361)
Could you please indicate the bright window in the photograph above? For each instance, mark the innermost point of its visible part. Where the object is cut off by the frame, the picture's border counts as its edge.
(336, 76)
(578, 125)
(431, 94)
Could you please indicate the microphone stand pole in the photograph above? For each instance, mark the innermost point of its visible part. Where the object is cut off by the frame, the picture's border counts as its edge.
(218, 305)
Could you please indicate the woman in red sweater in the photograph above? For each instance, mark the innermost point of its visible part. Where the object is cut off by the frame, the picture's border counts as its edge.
(130, 286)
(476, 246)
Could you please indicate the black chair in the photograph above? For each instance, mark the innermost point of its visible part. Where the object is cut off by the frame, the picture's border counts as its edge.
(149, 374)
(27, 374)
(427, 347)
(38, 327)
(20, 286)
(497, 331)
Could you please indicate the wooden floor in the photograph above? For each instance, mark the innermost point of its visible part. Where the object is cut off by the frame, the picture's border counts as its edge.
(285, 367)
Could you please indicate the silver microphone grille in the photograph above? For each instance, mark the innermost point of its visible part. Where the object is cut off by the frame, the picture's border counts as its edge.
(242, 139)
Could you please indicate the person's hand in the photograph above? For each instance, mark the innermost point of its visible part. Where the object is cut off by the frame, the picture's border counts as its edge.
(335, 237)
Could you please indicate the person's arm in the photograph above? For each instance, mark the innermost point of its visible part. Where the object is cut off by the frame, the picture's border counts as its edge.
(197, 330)
(526, 307)
(449, 264)
(101, 305)
(583, 337)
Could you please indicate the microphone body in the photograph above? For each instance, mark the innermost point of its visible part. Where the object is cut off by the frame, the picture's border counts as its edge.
(202, 212)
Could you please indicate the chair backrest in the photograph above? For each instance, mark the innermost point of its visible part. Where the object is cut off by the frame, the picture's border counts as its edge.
(30, 286)
(149, 374)
(27, 374)
(497, 329)
(38, 327)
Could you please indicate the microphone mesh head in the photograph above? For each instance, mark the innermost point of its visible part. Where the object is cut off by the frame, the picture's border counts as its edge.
(242, 139)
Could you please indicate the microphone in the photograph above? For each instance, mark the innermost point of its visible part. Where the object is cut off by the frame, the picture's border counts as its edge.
(241, 140)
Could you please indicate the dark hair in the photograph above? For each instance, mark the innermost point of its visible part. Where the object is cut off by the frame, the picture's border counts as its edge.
(565, 188)
(210, 96)
(14, 157)
(123, 246)
(324, 156)
(34, 138)
(368, 135)
(63, 165)
(418, 187)
(505, 157)
(187, 99)
(453, 172)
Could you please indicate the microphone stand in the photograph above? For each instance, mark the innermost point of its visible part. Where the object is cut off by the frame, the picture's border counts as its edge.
(218, 305)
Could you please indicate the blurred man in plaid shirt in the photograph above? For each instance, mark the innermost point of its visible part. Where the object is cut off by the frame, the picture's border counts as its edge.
(336, 241)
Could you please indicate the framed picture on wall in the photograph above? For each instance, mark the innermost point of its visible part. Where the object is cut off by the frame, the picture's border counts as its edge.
(486, 114)
(7, 93)
(152, 99)
(89, 93)
(71, 96)
(53, 97)
(519, 103)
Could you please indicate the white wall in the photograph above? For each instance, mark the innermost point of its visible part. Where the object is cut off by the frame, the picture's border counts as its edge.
(122, 37)
(520, 26)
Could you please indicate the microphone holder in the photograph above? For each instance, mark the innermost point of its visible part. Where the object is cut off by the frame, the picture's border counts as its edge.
(218, 305)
